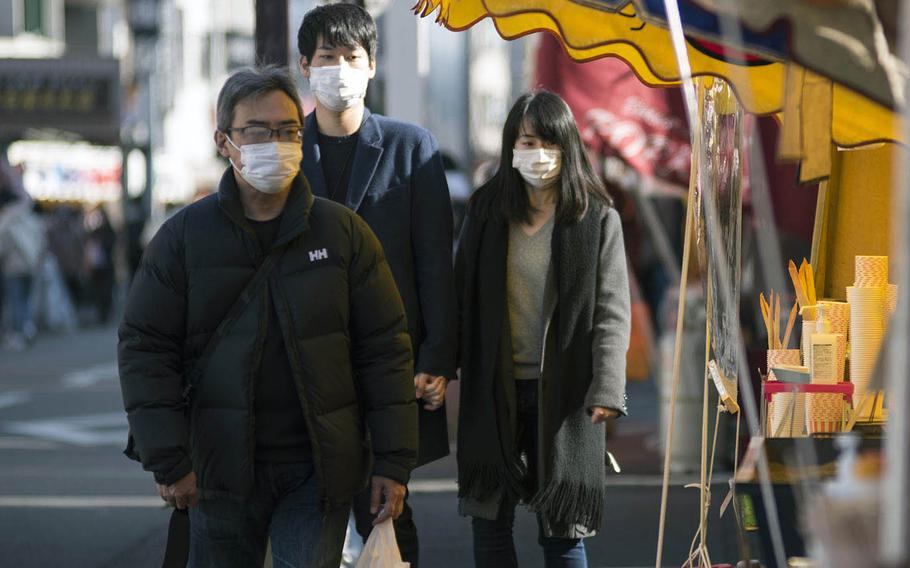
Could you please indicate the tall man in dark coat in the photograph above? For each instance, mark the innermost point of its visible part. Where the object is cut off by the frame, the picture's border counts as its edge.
(276, 445)
(389, 172)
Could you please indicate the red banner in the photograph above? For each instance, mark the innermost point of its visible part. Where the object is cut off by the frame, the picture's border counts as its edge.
(617, 114)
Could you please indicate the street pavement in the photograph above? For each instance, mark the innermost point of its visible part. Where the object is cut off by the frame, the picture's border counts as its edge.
(68, 497)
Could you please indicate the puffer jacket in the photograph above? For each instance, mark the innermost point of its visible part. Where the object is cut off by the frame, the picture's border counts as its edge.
(341, 318)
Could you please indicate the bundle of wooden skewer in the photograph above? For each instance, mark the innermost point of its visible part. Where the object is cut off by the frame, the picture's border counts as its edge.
(804, 286)
(771, 314)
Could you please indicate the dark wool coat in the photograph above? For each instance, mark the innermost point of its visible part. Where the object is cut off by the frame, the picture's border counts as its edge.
(398, 186)
(341, 321)
(586, 335)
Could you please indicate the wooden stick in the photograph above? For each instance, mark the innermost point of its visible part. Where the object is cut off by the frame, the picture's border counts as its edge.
(773, 330)
(804, 269)
(798, 288)
(766, 317)
(790, 323)
(810, 285)
(777, 323)
(677, 347)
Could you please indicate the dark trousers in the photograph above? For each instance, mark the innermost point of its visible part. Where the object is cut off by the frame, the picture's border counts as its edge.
(285, 508)
(494, 546)
(102, 290)
(405, 529)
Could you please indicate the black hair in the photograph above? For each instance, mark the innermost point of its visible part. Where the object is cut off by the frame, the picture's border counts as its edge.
(504, 196)
(251, 83)
(448, 162)
(340, 25)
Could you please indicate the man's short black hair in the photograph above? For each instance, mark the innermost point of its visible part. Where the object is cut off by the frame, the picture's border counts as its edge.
(340, 25)
(252, 83)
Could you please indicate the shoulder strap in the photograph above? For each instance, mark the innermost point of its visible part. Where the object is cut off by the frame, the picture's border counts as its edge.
(261, 275)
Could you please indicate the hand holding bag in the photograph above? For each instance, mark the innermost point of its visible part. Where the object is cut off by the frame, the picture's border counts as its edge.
(381, 549)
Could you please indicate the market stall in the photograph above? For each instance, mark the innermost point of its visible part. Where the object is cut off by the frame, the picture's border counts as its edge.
(831, 72)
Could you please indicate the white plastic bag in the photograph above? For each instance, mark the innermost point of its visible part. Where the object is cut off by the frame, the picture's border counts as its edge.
(381, 549)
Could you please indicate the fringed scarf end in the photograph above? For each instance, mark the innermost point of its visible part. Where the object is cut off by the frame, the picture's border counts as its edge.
(570, 504)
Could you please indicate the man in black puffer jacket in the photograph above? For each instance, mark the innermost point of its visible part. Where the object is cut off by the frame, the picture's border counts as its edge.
(274, 443)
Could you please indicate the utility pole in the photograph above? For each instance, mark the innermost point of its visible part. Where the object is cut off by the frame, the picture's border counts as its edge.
(145, 24)
(272, 32)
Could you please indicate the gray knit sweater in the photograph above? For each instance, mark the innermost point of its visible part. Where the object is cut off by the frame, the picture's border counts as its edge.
(526, 279)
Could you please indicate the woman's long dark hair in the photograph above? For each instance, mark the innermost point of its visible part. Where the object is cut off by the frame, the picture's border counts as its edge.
(504, 196)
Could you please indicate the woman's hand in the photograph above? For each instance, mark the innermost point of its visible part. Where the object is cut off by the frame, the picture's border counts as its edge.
(601, 414)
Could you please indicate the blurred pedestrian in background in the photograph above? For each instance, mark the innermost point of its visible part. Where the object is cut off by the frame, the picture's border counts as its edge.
(99, 258)
(66, 241)
(22, 244)
(544, 294)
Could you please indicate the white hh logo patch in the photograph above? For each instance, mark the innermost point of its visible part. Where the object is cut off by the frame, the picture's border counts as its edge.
(320, 254)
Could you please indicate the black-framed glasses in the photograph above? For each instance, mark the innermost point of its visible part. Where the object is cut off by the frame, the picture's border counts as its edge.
(260, 134)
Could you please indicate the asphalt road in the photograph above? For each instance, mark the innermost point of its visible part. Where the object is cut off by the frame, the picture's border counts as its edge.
(68, 497)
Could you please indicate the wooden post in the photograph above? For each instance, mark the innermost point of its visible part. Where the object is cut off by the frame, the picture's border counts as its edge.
(272, 32)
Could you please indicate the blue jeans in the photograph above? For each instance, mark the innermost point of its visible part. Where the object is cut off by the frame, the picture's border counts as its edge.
(284, 508)
(17, 302)
(494, 546)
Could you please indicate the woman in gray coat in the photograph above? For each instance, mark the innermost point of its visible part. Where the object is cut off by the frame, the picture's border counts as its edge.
(544, 315)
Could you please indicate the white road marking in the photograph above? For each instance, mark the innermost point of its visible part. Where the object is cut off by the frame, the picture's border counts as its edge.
(433, 486)
(87, 430)
(15, 443)
(14, 398)
(79, 502)
(91, 375)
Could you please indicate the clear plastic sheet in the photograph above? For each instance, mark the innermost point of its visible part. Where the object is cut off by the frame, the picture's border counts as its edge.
(720, 179)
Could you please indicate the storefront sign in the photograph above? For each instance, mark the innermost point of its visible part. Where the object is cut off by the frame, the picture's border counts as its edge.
(75, 95)
(60, 171)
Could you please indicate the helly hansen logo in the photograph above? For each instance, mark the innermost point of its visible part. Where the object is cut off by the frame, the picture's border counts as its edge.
(320, 254)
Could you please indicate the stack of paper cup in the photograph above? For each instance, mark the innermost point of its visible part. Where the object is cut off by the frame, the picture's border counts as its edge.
(825, 412)
(866, 334)
(788, 415)
(781, 357)
(871, 271)
(890, 300)
(838, 314)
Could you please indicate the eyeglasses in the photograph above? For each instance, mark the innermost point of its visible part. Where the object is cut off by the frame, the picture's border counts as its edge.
(262, 134)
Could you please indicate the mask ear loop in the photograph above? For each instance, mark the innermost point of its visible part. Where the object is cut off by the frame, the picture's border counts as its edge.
(231, 160)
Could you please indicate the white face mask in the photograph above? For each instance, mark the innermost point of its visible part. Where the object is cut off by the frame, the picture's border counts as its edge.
(339, 87)
(269, 167)
(539, 167)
